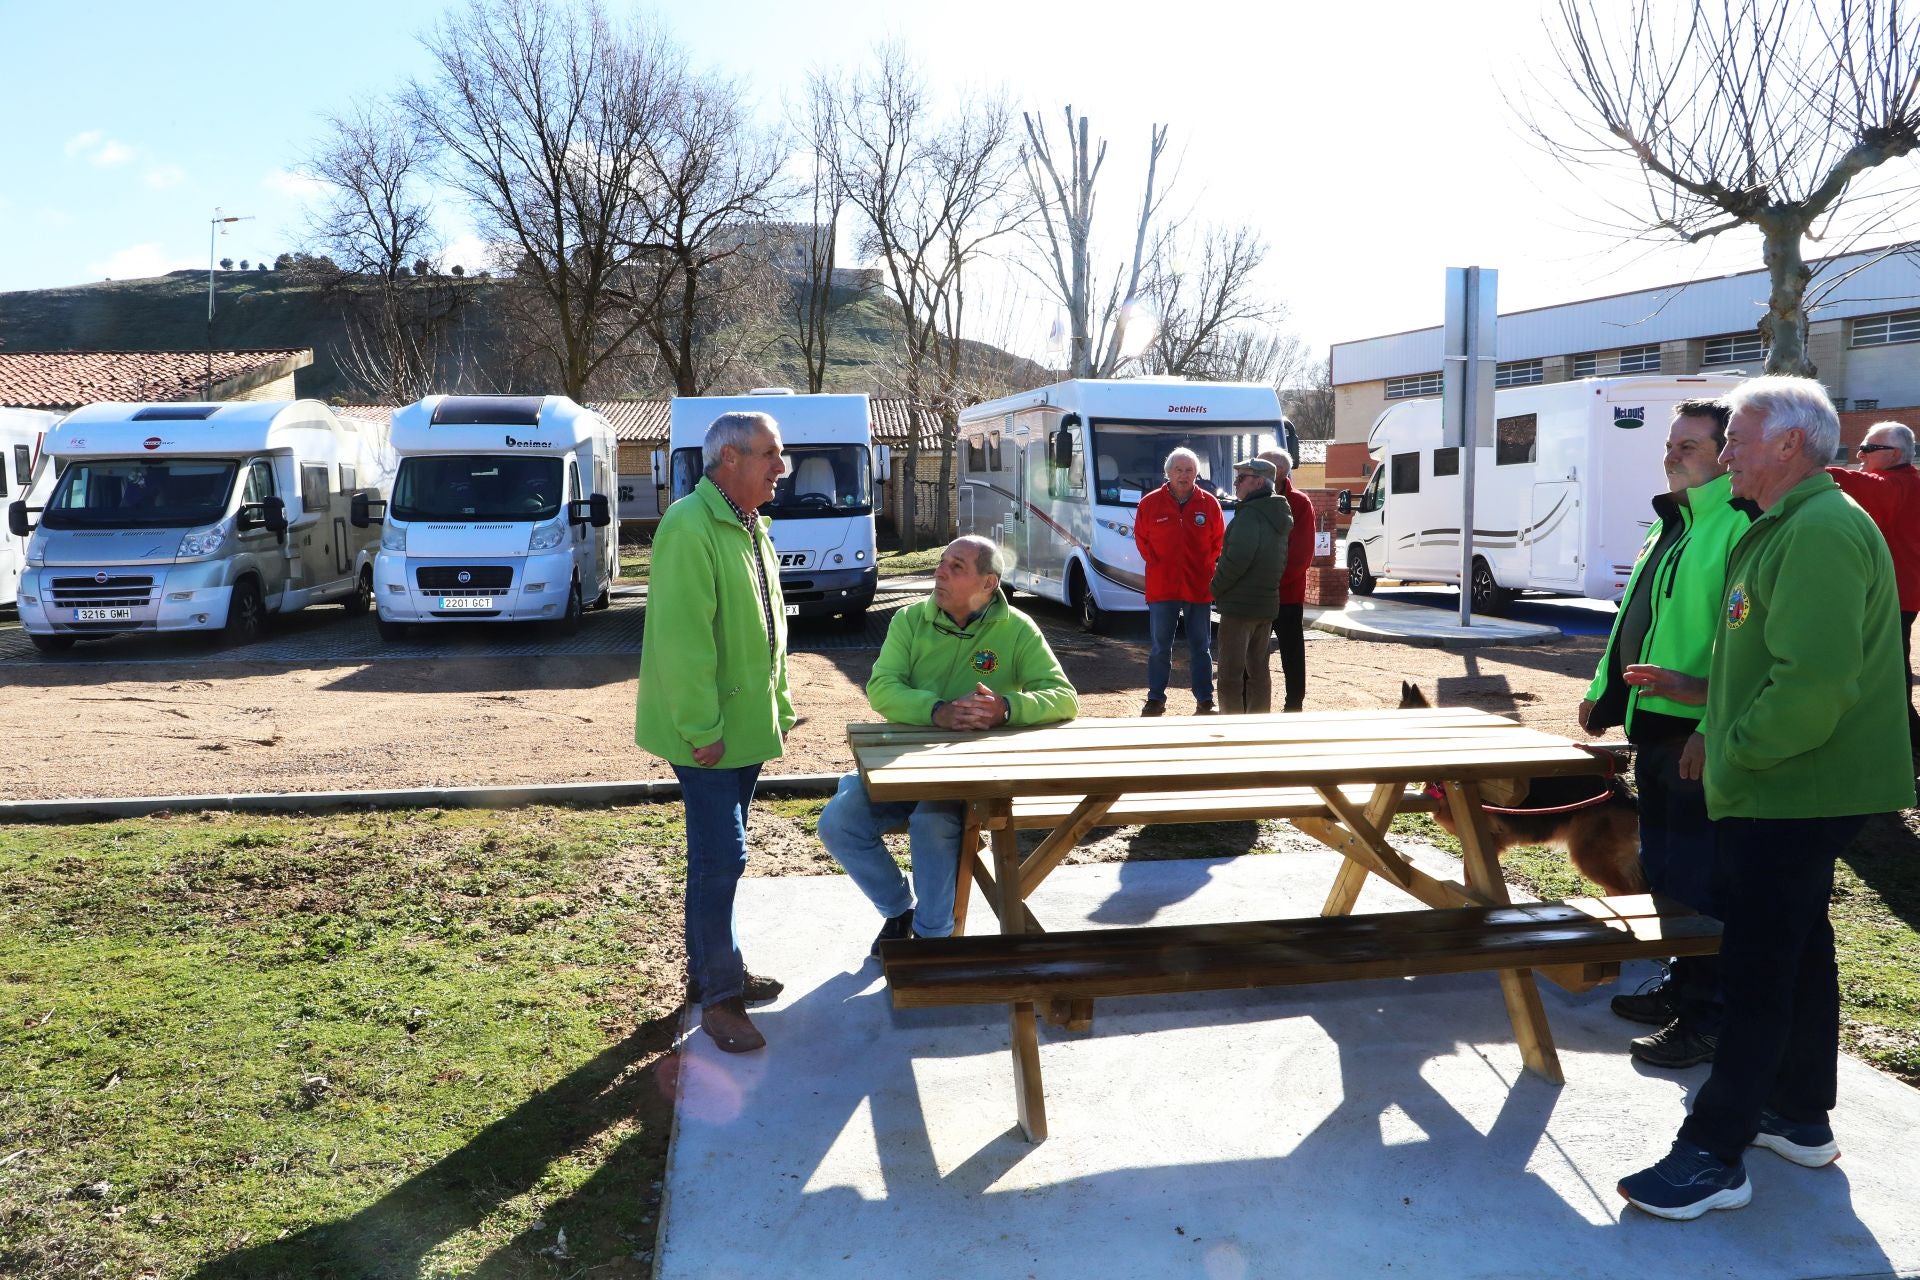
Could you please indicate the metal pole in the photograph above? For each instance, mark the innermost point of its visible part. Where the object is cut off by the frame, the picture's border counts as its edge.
(206, 391)
(1469, 443)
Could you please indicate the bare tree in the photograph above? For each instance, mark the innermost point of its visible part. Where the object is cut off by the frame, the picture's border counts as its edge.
(1309, 405)
(1098, 308)
(1211, 315)
(812, 306)
(1743, 113)
(544, 112)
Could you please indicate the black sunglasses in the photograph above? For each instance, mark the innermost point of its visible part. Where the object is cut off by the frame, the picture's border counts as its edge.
(1874, 448)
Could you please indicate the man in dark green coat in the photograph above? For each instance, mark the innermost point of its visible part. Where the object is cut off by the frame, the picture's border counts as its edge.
(1246, 586)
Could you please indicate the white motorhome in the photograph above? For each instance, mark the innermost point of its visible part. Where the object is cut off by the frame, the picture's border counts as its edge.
(500, 512)
(1561, 491)
(1054, 475)
(822, 509)
(197, 517)
(22, 479)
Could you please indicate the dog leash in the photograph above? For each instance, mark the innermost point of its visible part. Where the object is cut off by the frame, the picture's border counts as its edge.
(1433, 792)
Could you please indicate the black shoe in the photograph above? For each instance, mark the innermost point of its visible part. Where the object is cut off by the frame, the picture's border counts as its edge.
(1654, 1007)
(1203, 709)
(1292, 707)
(1674, 1046)
(758, 990)
(895, 929)
(1154, 707)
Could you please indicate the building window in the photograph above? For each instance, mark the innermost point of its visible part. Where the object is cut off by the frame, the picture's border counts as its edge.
(1446, 462)
(1882, 331)
(1734, 348)
(1859, 405)
(1406, 473)
(1586, 366)
(1513, 439)
(1418, 384)
(1519, 373)
(1640, 359)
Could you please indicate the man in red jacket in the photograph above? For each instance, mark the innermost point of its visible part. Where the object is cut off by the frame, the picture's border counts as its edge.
(1888, 487)
(1178, 528)
(1290, 627)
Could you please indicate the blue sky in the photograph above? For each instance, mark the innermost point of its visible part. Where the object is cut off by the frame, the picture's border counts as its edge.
(1370, 142)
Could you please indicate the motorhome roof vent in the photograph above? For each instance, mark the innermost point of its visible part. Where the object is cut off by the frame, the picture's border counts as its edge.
(771, 391)
(176, 413)
(488, 411)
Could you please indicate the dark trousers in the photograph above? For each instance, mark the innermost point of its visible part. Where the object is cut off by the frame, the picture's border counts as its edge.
(1906, 650)
(1780, 1041)
(1289, 629)
(1678, 856)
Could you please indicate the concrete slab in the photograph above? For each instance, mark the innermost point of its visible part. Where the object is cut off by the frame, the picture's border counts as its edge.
(1381, 1128)
(1389, 621)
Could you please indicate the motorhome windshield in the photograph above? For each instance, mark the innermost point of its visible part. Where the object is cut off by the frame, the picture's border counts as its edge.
(477, 487)
(140, 493)
(823, 480)
(1130, 459)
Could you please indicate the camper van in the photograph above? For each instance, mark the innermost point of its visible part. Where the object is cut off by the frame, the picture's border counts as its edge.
(196, 517)
(822, 509)
(22, 479)
(1053, 476)
(501, 512)
(1561, 490)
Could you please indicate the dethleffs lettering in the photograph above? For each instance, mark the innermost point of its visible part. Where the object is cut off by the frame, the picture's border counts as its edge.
(514, 443)
(1186, 408)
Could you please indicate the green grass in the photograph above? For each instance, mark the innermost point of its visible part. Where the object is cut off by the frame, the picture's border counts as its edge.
(897, 562)
(635, 560)
(1876, 924)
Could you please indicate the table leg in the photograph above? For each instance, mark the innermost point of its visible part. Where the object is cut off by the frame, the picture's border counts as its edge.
(969, 856)
(1528, 1015)
(1028, 1091)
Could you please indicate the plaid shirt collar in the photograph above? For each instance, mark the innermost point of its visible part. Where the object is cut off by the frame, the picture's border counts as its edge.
(751, 519)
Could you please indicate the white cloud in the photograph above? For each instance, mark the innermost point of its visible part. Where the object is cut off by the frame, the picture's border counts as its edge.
(137, 261)
(110, 154)
(84, 141)
(297, 185)
(163, 176)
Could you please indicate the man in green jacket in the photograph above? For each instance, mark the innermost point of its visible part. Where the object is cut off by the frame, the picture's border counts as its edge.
(1668, 618)
(963, 660)
(1805, 736)
(1246, 586)
(713, 695)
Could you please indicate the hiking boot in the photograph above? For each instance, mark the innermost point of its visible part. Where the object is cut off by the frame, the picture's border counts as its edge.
(896, 929)
(1654, 1006)
(1807, 1144)
(1687, 1182)
(758, 989)
(1154, 707)
(730, 1027)
(1203, 708)
(1674, 1046)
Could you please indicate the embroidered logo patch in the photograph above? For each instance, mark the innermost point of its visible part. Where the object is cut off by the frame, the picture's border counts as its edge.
(985, 661)
(1199, 517)
(1738, 606)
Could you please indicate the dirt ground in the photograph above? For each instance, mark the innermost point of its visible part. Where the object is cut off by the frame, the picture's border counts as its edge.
(181, 729)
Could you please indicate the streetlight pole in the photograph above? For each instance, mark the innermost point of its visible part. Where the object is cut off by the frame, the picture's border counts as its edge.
(214, 224)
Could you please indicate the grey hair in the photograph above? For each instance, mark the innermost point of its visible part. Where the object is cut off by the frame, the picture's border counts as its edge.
(987, 554)
(735, 429)
(1784, 403)
(1278, 456)
(1899, 435)
(1182, 454)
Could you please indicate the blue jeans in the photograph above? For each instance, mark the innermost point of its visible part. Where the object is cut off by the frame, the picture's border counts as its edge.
(1198, 618)
(850, 828)
(716, 804)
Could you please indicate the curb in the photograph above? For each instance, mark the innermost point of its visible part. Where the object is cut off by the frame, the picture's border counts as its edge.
(1336, 623)
(580, 793)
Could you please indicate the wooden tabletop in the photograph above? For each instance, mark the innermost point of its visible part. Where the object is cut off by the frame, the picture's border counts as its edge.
(1204, 753)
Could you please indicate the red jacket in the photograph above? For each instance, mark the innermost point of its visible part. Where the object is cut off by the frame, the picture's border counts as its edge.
(1892, 498)
(1293, 583)
(1179, 544)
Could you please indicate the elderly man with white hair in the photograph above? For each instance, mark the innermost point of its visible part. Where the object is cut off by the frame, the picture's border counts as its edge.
(1888, 486)
(1802, 735)
(1179, 529)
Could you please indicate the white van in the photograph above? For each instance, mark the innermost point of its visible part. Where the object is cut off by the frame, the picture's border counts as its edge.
(22, 479)
(197, 517)
(1025, 482)
(1560, 495)
(822, 510)
(500, 512)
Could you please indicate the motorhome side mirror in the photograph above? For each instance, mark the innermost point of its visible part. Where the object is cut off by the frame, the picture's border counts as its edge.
(17, 519)
(659, 460)
(579, 512)
(275, 517)
(599, 511)
(884, 457)
(249, 517)
(358, 514)
(1343, 503)
(1063, 448)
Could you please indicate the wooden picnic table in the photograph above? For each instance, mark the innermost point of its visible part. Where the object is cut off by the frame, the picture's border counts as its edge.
(1339, 776)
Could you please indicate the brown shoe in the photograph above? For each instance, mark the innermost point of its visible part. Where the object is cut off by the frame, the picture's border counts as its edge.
(731, 1028)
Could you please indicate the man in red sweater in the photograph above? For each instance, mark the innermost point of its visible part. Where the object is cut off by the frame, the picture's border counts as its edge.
(1888, 487)
(1290, 627)
(1178, 528)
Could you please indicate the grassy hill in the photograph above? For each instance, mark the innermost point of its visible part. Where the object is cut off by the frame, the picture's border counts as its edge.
(280, 309)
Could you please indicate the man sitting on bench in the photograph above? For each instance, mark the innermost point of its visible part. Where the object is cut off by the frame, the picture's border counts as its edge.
(963, 659)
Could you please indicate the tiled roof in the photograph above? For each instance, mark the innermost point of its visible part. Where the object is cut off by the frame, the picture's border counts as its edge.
(68, 379)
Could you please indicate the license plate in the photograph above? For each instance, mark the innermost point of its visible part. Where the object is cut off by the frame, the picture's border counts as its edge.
(466, 602)
(102, 615)
(793, 611)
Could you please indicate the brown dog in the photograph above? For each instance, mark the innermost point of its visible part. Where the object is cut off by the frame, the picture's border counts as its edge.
(1593, 819)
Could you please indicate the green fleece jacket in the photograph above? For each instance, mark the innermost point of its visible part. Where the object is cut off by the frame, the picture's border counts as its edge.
(1246, 581)
(1687, 588)
(1807, 695)
(927, 660)
(705, 672)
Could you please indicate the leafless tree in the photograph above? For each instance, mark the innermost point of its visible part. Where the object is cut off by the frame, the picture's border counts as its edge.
(1211, 317)
(1741, 113)
(818, 124)
(544, 111)
(1099, 305)
(1309, 404)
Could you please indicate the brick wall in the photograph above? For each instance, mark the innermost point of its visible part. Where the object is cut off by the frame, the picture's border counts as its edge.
(1326, 580)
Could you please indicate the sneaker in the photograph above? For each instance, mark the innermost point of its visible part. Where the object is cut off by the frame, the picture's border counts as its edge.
(1654, 1006)
(758, 990)
(1674, 1046)
(1203, 708)
(730, 1027)
(1154, 707)
(1809, 1144)
(896, 929)
(1688, 1182)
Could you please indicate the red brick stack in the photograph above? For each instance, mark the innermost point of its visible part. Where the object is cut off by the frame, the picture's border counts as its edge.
(1326, 577)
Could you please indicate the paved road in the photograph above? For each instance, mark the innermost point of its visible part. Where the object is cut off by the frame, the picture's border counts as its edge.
(1572, 617)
